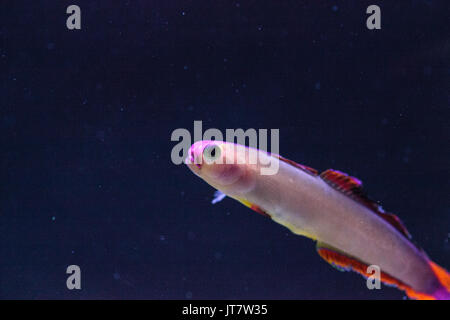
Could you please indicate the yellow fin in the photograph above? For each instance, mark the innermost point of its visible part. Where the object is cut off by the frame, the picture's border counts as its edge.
(254, 207)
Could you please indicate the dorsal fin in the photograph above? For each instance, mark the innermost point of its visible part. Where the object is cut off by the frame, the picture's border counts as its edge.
(353, 188)
(307, 169)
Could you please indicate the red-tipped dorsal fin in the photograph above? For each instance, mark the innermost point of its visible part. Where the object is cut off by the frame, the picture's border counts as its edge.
(307, 169)
(352, 187)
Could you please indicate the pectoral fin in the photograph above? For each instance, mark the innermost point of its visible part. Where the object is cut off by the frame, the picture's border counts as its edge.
(218, 196)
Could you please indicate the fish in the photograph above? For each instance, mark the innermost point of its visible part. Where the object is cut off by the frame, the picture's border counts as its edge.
(352, 231)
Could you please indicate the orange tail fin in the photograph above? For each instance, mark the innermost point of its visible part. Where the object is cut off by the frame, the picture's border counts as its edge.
(346, 263)
(442, 293)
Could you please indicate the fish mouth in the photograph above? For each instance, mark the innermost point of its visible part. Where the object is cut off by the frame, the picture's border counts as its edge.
(190, 160)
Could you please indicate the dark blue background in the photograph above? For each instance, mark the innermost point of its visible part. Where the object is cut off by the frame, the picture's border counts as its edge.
(86, 118)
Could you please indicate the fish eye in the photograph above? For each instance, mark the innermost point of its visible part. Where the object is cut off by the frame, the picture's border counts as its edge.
(211, 152)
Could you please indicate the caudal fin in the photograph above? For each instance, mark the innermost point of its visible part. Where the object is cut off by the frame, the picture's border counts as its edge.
(343, 262)
(444, 279)
(443, 293)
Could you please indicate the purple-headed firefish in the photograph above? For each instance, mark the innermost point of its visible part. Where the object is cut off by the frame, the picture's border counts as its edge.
(352, 231)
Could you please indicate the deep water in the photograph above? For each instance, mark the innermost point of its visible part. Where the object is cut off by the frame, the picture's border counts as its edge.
(86, 117)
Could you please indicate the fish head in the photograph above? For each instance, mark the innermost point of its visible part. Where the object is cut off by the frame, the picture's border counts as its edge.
(223, 165)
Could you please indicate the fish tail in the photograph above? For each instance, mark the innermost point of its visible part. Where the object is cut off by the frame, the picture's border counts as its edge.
(343, 262)
(444, 278)
(442, 293)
